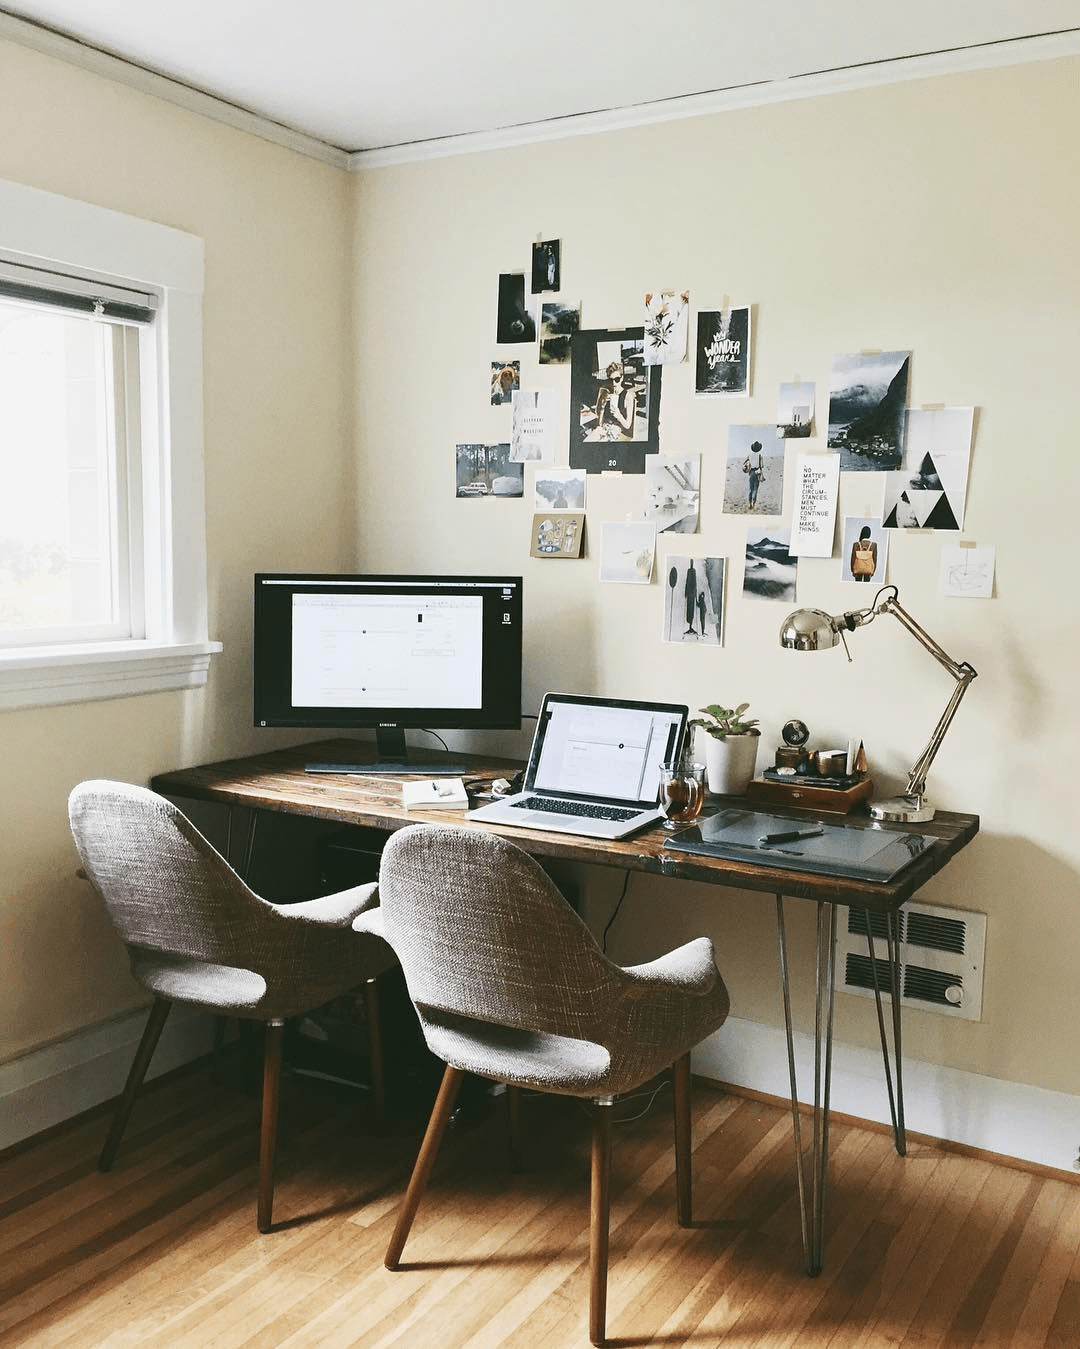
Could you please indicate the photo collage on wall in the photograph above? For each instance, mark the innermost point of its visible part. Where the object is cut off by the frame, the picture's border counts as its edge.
(606, 420)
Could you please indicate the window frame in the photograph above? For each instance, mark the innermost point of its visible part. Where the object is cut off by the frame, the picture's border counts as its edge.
(175, 651)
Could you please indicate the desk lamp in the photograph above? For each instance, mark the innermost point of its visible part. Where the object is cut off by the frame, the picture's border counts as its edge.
(815, 630)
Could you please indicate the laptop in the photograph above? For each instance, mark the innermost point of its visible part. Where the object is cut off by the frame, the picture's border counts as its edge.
(594, 767)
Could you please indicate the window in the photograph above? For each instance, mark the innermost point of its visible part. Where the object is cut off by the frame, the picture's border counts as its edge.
(102, 552)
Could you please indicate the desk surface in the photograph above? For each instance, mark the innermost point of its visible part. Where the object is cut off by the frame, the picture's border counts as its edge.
(277, 782)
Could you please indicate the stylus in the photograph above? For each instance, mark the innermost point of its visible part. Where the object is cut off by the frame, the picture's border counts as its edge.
(766, 840)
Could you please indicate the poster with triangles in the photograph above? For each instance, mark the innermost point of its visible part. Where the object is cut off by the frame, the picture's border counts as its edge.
(930, 490)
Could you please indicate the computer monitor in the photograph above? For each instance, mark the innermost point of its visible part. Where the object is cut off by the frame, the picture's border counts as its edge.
(387, 653)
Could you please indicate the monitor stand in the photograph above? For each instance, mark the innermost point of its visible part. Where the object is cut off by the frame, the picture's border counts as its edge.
(393, 759)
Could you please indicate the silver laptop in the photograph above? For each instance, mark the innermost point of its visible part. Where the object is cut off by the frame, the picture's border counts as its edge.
(594, 767)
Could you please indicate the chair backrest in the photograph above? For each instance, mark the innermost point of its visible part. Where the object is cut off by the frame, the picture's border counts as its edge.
(166, 888)
(482, 931)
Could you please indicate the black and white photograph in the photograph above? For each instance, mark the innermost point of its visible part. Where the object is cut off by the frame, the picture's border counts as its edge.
(559, 489)
(931, 487)
(673, 493)
(667, 324)
(558, 534)
(505, 378)
(722, 353)
(614, 401)
(558, 324)
(486, 471)
(516, 321)
(534, 421)
(864, 550)
(795, 410)
(627, 551)
(694, 600)
(754, 471)
(867, 399)
(546, 265)
(770, 571)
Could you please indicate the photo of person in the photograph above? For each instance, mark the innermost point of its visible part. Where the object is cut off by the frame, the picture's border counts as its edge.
(615, 401)
(863, 551)
(505, 378)
(754, 476)
(867, 401)
(694, 600)
(546, 262)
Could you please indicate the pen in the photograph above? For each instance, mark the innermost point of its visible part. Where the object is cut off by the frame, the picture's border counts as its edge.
(790, 837)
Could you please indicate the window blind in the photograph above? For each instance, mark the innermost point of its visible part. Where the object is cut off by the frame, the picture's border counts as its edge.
(74, 293)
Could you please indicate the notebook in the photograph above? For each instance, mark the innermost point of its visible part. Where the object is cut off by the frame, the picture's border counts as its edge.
(594, 767)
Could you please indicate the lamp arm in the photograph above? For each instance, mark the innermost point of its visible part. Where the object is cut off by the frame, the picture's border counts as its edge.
(961, 671)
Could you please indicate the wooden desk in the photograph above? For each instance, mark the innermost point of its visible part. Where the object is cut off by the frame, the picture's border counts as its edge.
(277, 782)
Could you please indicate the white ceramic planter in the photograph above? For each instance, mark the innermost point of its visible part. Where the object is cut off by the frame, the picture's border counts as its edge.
(730, 762)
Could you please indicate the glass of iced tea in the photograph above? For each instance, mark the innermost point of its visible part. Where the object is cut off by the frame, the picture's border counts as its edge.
(682, 792)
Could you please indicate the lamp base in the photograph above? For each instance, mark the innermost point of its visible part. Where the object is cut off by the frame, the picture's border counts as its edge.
(903, 809)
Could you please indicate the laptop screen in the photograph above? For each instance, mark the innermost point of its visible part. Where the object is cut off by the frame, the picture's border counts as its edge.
(604, 749)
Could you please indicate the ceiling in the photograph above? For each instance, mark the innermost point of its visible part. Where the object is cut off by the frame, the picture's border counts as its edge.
(363, 75)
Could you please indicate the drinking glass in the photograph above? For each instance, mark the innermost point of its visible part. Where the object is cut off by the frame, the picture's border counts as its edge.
(682, 792)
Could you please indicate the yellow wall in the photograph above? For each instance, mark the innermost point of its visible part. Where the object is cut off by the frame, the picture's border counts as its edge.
(937, 216)
(278, 485)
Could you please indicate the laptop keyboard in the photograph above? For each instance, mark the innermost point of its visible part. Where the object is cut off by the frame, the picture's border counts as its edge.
(582, 809)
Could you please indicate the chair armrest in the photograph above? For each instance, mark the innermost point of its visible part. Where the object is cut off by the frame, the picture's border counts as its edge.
(337, 910)
(691, 967)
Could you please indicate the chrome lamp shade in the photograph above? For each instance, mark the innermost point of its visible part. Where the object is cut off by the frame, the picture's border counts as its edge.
(815, 630)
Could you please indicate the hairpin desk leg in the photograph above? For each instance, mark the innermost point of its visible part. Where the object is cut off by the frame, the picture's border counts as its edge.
(812, 1211)
(896, 1102)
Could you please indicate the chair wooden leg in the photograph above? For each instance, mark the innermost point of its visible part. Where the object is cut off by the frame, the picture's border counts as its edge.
(145, 1052)
(683, 1175)
(275, 1038)
(375, 1049)
(440, 1117)
(513, 1120)
(599, 1208)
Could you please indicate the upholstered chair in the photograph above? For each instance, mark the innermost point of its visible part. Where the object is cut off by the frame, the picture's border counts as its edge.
(509, 983)
(196, 934)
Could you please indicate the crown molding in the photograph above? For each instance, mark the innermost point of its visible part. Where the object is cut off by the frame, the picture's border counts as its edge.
(50, 43)
(986, 56)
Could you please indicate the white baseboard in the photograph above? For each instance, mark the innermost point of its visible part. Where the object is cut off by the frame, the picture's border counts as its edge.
(1028, 1123)
(64, 1079)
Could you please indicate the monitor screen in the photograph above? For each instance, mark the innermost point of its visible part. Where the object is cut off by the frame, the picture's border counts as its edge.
(388, 652)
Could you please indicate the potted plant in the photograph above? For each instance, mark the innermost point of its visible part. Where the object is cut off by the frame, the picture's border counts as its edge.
(731, 747)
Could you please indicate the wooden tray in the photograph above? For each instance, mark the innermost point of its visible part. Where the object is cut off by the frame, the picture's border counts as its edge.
(804, 792)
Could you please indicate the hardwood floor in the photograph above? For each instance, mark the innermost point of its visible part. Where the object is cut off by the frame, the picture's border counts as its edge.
(932, 1250)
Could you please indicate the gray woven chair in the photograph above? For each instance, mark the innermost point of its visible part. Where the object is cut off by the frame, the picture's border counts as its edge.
(197, 934)
(510, 984)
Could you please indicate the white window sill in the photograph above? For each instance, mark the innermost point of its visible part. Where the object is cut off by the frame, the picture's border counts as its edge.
(48, 676)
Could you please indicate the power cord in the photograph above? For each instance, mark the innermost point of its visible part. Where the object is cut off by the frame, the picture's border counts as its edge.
(615, 911)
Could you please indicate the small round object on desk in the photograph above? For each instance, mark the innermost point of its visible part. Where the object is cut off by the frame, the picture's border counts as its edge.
(795, 732)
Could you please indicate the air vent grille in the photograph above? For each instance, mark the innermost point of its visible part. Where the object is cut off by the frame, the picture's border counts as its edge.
(941, 958)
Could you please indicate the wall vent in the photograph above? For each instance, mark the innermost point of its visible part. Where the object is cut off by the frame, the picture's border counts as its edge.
(941, 958)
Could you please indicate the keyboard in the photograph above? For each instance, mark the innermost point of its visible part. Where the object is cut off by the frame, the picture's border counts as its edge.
(582, 809)
(446, 768)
